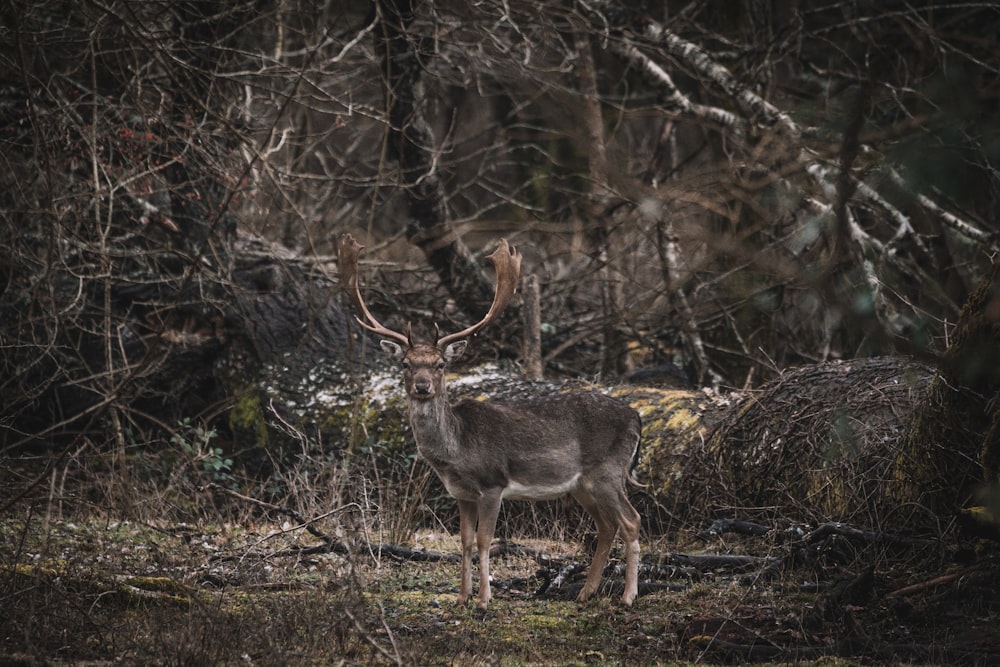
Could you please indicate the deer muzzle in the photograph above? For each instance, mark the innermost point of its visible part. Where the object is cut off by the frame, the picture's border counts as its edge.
(422, 385)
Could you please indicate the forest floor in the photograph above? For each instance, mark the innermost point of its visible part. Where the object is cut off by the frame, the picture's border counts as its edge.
(93, 591)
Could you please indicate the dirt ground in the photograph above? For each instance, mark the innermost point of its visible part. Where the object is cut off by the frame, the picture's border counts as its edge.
(93, 591)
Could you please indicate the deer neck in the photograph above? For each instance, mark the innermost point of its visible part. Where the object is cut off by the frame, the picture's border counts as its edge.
(435, 428)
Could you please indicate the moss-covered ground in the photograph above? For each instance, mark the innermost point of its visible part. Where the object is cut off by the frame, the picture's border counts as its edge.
(93, 591)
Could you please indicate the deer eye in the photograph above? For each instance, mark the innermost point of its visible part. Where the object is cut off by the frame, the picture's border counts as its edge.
(439, 366)
(406, 365)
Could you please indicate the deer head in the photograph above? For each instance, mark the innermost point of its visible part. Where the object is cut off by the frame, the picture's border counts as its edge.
(424, 365)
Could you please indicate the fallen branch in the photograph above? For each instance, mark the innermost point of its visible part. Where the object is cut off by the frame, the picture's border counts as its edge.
(708, 562)
(721, 527)
(924, 585)
(330, 544)
(825, 530)
(801, 545)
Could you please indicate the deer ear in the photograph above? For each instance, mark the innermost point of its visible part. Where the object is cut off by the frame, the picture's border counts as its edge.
(454, 350)
(394, 350)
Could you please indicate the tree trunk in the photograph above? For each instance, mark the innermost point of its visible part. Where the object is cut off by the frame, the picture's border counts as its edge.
(412, 143)
(595, 214)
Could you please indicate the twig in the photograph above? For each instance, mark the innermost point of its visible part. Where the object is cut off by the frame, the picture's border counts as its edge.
(720, 527)
(924, 585)
(371, 641)
(308, 524)
(330, 544)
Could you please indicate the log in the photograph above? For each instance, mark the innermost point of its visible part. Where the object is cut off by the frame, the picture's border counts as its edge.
(817, 444)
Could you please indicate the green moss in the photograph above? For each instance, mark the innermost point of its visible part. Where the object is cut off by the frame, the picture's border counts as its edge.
(49, 568)
(145, 589)
(246, 419)
(683, 419)
(374, 428)
(672, 428)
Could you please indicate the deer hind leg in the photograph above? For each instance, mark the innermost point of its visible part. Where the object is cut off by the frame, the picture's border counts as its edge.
(606, 531)
(613, 515)
(628, 524)
(467, 513)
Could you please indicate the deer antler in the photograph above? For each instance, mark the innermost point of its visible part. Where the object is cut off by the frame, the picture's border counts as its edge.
(348, 258)
(507, 263)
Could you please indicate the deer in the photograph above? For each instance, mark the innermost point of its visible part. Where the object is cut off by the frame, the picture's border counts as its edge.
(582, 444)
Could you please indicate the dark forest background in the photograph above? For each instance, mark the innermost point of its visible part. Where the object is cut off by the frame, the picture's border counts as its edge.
(708, 193)
(771, 226)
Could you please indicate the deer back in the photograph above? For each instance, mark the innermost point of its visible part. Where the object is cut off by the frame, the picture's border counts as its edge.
(546, 441)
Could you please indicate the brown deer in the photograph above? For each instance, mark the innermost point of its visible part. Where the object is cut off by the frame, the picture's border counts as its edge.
(582, 444)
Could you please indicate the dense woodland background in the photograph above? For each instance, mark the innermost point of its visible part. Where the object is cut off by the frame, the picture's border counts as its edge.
(770, 225)
(708, 194)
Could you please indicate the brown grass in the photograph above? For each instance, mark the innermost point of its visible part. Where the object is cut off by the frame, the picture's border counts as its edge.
(86, 588)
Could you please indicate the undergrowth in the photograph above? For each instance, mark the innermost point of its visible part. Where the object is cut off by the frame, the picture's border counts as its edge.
(152, 557)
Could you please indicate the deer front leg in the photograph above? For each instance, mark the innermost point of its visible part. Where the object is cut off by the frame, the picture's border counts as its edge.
(467, 513)
(489, 510)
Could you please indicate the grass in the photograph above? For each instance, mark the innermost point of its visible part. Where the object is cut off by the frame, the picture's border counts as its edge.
(230, 593)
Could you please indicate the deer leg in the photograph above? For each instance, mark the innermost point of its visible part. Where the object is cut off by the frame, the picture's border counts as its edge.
(628, 523)
(606, 532)
(489, 510)
(605, 536)
(467, 513)
(612, 515)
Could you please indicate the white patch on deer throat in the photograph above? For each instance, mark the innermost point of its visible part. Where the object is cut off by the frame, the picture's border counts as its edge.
(517, 491)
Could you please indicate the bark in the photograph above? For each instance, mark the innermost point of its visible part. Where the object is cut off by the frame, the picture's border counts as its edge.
(595, 210)
(532, 344)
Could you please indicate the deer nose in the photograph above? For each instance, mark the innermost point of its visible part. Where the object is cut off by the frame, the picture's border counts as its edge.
(422, 387)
